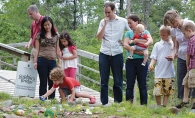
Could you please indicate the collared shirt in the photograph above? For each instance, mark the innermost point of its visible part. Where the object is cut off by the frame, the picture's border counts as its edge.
(191, 52)
(183, 42)
(113, 32)
(35, 29)
(163, 68)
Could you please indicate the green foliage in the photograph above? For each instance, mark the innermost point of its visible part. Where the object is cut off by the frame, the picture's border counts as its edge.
(4, 96)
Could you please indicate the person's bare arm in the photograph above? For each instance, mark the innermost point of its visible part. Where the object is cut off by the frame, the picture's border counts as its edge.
(36, 51)
(151, 66)
(149, 40)
(49, 92)
(127, 46)
(187, 61)
(27, 46)
(175, 50)
(72, 95)
(58, 53)
(100, 34)
(71, 57)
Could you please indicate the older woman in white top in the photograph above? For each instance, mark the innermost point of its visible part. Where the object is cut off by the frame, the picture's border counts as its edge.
(171, 18)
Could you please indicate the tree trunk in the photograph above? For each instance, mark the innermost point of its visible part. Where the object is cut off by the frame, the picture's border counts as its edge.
(121, 7)
(75, 15)
(128, 7)
(146, 13)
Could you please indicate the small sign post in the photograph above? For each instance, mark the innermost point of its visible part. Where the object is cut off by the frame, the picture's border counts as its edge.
(26, 79)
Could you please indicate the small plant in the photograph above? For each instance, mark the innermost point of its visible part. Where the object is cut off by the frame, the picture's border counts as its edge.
(4, 96)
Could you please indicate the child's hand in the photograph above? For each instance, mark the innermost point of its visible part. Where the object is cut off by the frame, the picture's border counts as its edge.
(146, 44)
(70, 100)
(42, 98)
(151, 67)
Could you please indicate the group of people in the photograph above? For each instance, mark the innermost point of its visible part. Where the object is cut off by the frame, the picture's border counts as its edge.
(177, 41)
(49, 45)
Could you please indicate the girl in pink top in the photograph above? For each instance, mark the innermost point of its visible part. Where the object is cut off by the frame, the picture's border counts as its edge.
(69, 54)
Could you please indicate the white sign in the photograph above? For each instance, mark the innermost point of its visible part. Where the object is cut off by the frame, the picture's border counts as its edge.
(26, 79)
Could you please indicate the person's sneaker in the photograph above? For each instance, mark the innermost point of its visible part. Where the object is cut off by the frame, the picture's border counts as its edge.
(182, 104)
(130, 57)
(92, 100)
(193, 106)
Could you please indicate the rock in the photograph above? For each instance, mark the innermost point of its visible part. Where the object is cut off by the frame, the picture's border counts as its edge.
(7, 103)
(11, 116)
(174, 110)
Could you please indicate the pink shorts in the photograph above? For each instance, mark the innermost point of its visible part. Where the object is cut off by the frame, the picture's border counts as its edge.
(70, 72)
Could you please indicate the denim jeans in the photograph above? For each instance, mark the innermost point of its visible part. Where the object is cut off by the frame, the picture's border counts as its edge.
(181, 72)
(116, 64)
(44, 66)
(134, 70)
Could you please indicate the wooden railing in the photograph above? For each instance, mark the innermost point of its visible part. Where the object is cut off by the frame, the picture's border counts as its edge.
(25, 56)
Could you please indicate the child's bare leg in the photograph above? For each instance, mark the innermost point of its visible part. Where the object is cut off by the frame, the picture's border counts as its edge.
(145, 56)
(165, 100)
(83, 95)
(158, 100)
(62, 95)
(186, 93)
(132, 48)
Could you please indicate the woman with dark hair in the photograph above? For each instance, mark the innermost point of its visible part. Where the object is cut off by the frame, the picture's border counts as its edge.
(47, 46)
(134, 69)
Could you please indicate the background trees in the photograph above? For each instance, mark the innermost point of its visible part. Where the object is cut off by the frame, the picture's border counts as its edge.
(81, 17)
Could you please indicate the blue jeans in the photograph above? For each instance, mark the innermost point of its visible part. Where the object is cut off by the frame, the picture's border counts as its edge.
(134, 70)
(116, 64)
(44, 66)
(181, 72)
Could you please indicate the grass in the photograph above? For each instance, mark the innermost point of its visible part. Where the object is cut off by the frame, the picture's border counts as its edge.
(123, 110)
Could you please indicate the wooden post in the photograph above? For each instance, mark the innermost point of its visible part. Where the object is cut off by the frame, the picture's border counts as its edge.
(25, 58)
(14, 60)
(78, 68)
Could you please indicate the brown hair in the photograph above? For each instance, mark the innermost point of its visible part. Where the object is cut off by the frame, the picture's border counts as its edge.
(57, 74)
(135, 18)
(188, 25)
(170, 17)
(110, 4)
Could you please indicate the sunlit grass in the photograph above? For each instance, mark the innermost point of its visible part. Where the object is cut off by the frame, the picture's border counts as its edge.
(124, 109)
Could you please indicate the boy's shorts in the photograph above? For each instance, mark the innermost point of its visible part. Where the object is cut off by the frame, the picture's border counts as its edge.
(189, 79)
(163, 86)
(67, 91)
